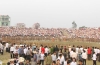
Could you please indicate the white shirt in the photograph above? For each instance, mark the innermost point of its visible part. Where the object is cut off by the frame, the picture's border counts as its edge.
(74, 55)
(96, 51)
(7, 45)
(0, 45)
(94, 57)
(71, 52)
(73, 63)
(42, 56)
(65, 62)
(85, 50)
(69, 49)
(84, 55)
(53, 57)
(25, 50)
(81, 50)
(77, 50)
(15, 51)
(12, 48)
(46, 50)
(61, 59)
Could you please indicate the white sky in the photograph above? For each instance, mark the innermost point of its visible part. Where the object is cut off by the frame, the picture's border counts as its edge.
(52, 13)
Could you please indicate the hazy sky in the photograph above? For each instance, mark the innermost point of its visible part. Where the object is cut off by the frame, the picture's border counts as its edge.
(52, 13)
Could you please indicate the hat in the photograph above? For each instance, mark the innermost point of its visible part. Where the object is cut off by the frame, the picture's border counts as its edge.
(16, 45)
(69, 46)
(21, 59)
(21, 45)
(11, 59)
(33, 44)
(34, 52)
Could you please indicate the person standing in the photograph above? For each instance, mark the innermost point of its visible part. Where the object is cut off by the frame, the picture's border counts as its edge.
(11, 51)
(89, 53)
(42, 57)
(73, 62)
(2, 49)
(48, 59)
(46, 51)
(7, 45)
(54, 57)
(35, 57)
(94, 57)
(28, 54)
(84, 57)
(16, 52)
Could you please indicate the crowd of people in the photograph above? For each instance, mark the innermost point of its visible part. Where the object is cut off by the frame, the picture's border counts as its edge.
(44, 55)
(71, 33)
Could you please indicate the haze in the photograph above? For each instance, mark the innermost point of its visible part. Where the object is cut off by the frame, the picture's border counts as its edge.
(52, 13)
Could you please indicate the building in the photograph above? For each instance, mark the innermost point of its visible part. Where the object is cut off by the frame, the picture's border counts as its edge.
(20, 25)
(4, 20)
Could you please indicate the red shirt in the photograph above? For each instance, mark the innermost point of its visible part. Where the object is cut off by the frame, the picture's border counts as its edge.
(43, 49)
(89, 51)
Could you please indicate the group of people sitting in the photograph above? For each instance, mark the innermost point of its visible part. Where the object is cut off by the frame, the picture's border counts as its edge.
(24, 54)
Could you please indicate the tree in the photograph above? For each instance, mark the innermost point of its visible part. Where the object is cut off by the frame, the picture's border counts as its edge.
(74, 25)
(36, 26)
(82, 27)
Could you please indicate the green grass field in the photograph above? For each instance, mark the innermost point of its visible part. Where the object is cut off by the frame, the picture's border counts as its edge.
(4, 58)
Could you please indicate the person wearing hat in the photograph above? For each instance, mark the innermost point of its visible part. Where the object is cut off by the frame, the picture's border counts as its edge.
(20, 61)
(11, 62)
(27, 62)
(33, 47)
